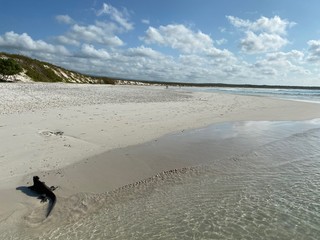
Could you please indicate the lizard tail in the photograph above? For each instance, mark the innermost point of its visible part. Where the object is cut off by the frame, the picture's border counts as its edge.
(52, 203)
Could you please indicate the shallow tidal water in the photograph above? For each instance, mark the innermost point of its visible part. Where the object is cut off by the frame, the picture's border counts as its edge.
(253, 180)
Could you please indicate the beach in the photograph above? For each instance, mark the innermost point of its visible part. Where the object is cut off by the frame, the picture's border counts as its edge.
(63, 133)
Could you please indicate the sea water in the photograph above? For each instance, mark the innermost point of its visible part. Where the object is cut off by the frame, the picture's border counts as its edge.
(307, 95)
(253, 180)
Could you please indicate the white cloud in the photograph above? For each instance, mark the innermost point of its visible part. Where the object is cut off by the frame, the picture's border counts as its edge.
(64, 19)
(143, 51)
(220, 54)
(282, 64)
(90, 51)
(221, 41)
(120, 17)
(262, 42)
(314, 51)
(188, 42)
(177, 36)
(262, 35)
(102, 33)
(293, 55)
(145, 21)
(67, 41)
(205, 69)
(274, 25)
(135, 63)
(24, 42)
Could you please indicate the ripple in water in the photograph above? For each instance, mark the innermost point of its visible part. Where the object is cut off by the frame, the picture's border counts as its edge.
(269, 192)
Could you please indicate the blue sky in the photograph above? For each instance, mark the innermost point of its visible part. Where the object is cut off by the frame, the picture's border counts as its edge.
(230, 41)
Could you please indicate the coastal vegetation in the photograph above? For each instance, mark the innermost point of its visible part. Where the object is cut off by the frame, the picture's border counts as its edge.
(39, 71)
(8, 68)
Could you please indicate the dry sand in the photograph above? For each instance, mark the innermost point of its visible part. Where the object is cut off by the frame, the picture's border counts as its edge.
(61, 132)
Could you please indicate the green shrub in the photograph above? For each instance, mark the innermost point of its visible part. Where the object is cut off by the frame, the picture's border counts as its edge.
(9, 67)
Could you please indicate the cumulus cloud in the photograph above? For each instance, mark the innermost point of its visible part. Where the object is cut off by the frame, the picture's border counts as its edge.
(66, 19)
(90, 51)
(68, 40)
(198, 59)
(218, 53)
(143, 51)
(263, 42)
(314, 51)
(177, 36)
(136, 63)
(262, 35)
(120, 17)
(187, 41)
(274, 25)
(282, 64)
(100, 33)
(293, 55)
(23, 42)
(103, 32)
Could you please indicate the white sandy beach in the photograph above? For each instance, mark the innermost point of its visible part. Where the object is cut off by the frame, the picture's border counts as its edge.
(46, 128)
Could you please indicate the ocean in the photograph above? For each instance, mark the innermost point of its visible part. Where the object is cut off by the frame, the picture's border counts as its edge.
(292, 94)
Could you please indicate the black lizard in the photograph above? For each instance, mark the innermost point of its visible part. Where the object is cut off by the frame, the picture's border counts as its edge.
(46, 193)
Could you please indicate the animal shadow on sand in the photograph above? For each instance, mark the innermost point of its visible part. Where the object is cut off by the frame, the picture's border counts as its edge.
(26, 190)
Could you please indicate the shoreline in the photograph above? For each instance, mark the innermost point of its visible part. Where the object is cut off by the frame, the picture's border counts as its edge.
(49, 137)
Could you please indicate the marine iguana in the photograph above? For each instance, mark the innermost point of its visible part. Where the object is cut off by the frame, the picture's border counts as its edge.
(46, 193)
